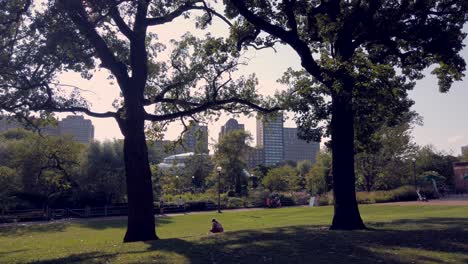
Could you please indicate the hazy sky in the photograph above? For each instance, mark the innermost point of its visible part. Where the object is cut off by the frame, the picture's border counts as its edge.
(445, 122)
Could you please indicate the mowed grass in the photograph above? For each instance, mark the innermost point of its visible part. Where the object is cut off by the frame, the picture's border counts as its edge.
(398, 234)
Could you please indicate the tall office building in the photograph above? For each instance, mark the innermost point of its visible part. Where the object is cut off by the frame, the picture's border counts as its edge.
(296, 149)
(196, 138)
(464, 150)
(270, 138)
(255, 157)
(81, 130)
(231, 125)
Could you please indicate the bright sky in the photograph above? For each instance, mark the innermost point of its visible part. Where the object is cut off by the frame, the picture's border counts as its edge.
(445, 124)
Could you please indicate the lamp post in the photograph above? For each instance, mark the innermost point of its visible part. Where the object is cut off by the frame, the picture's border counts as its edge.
(414, 172)
(218, 169)
(177, 184)
(193, 186)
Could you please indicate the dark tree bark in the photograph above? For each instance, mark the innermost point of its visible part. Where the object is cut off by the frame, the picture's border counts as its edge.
(141, 223)
(346, 215)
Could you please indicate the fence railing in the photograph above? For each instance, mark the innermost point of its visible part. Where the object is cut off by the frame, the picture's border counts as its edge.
(87, 212)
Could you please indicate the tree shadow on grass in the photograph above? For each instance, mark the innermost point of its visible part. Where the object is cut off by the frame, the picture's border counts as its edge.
(90, 257)
(100, 224)
(305, 244)
(59, 226)
(21, 229)
(398, 242)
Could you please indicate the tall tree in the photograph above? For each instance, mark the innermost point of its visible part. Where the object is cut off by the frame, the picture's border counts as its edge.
(103, 173)
(428, 158)
(379, 157)
(48, 166)
(118, 36)
(10, 187)
(349, 50)
(319, 179)
(230, 154)
(197, 168)
(284, 178)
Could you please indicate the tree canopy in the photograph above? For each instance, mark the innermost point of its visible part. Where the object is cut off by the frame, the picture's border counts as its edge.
(359, 59)
(44, 39)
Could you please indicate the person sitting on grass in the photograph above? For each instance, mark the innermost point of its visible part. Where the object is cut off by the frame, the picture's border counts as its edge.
(216, 226)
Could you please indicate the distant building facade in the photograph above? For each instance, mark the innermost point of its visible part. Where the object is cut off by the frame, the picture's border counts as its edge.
(464, 150)
(79, 128)
(255, 157)
(231, 125)
(296, 149)
(270, 138)
(460, 170)
(196, 138)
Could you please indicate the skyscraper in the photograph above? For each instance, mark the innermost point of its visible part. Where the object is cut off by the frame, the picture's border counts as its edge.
(231, 125)
(296, 149)
(270, 138)
(464, 150)
(81, 130)
(196, 138)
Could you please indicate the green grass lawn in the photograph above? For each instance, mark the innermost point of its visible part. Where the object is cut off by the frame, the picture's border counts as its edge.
(398, 234)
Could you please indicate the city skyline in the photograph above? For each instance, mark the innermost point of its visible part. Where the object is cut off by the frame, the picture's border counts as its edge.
(441, 112)
(77, 126)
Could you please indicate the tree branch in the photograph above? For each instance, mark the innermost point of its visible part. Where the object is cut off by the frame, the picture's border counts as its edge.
(291, 38)
(209, 105)
(82, 110)
(289, 10)
(78, 15)
(184, 8)
(123, 27)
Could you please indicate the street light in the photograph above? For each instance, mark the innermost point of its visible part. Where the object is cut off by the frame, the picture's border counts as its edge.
(193, 186)
(219, 169)
(414, 172)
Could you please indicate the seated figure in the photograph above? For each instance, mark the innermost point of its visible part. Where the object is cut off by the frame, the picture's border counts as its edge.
(216, 226)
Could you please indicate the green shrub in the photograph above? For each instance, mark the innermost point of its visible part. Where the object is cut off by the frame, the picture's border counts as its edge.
(235, 202)
(257, 198)
(196, 197)
(286, 199)
(300, 198)
(404, 193)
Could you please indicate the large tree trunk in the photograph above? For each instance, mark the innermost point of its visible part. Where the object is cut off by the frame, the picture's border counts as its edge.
(141, 223)
(346, 215)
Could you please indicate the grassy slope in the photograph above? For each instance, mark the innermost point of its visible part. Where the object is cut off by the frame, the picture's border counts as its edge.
(401, 234)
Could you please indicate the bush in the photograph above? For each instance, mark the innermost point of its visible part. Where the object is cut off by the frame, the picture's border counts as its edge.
(257, 198)
(300, 198)
(196, 205)
(326, 199)
(286, 199)
(235, 202)
(404, 193)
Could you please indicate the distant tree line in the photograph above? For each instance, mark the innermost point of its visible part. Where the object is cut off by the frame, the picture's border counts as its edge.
(47, 171)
